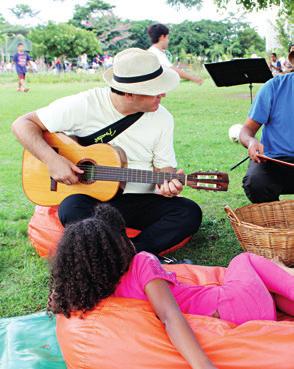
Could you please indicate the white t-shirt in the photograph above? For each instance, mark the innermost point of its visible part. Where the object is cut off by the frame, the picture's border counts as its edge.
(275, 64)
(161, 55)
(148, 142)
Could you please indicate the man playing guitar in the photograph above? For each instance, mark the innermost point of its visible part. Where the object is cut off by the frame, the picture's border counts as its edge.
(137, 83)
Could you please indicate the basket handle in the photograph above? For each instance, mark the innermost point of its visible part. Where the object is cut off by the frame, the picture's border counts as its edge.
(232, 214)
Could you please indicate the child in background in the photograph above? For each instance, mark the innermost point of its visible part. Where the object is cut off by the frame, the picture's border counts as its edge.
(275, 65)
(95, 259)
(21, 59)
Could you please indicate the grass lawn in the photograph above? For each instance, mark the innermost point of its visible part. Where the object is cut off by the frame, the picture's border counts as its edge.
(203, 116)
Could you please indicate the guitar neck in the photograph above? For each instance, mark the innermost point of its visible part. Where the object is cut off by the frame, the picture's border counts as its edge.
(106, 173)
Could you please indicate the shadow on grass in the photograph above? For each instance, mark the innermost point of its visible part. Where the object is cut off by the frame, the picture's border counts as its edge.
(214, 244)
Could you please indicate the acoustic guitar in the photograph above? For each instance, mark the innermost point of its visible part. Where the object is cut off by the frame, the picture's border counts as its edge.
(105, 170)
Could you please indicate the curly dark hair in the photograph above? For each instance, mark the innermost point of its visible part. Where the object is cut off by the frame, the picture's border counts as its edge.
(91, 257)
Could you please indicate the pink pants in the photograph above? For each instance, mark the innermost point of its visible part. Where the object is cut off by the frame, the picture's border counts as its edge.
(252, 287)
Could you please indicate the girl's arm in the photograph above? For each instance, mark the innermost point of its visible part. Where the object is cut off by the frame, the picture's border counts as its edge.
(177, 328)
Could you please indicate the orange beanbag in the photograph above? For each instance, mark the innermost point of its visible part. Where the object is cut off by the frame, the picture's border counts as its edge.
(45, 230)
(125, 333)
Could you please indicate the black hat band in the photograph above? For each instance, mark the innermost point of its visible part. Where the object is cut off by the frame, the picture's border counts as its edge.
(145, 77)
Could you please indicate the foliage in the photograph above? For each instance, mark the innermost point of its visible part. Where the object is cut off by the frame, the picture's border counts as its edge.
(2, 20)
(113, 33)
(250, 5)
(8, 30)
(212, 39)
(23, 10)
(114, 38)
(12, 30)
(284, 24)
(285, 28)
(138, 31)
(10, 35)
(208, 39)
(98, 17)
(88, 14)
(250, 42)
(62, 39)
(125, 34)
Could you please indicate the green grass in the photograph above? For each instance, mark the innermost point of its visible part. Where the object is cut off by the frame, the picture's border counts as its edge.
(51, 77)
(202, 115)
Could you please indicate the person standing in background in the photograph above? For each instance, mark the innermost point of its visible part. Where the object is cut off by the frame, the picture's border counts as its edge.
(159, 36)
(275, 65)
(21, 59)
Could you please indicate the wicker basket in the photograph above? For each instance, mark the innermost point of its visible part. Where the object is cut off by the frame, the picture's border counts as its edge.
(266, 229)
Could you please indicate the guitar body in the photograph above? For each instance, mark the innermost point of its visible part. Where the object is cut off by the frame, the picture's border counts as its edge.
(42, 190)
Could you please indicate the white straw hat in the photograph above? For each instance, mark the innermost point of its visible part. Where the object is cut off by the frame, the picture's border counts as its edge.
(139, 72)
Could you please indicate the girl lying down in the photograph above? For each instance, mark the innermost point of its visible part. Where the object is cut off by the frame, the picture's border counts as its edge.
(95, 259)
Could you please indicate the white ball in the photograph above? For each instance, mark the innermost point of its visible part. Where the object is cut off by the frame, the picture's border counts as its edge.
(234, 132)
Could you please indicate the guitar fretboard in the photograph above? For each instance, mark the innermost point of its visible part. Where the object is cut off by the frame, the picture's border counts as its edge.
(106, 173)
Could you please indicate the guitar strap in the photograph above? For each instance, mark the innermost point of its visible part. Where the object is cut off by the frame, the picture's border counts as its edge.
(108, 133)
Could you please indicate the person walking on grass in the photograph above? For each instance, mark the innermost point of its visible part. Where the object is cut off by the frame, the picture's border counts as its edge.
(21, 59)
(159, 36)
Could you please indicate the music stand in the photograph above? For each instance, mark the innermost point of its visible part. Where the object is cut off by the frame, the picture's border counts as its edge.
(239, 72)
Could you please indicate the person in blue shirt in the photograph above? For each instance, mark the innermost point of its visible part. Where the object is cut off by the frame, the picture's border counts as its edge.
(21, 59)
(273, 110)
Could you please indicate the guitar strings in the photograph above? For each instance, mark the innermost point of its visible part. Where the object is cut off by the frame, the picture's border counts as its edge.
(120, 172)
(141, 172)
(141, 175)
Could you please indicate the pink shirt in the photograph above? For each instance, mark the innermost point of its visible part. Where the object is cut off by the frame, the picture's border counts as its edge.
(145, 267)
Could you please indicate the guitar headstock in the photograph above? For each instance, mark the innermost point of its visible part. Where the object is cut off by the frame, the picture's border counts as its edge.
(209, 181)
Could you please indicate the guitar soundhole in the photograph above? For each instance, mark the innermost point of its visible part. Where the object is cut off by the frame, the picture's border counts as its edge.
(89, 168)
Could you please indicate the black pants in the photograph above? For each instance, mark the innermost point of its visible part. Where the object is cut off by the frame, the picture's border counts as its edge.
(164, 221)
(265, 182)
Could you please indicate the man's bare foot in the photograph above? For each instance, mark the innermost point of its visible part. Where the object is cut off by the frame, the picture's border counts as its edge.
(277, 260)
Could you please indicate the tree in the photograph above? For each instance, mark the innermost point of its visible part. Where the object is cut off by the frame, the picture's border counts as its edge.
(86, 16)
(62, 39)
(286, 13)
(113, 33)
(285, 28)
(250, 41)
(287, 5)
(216, 52)
(98, 17)
(203, 38)
(8, 34)
(138, 33)
(23, 10)
(2, 36)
